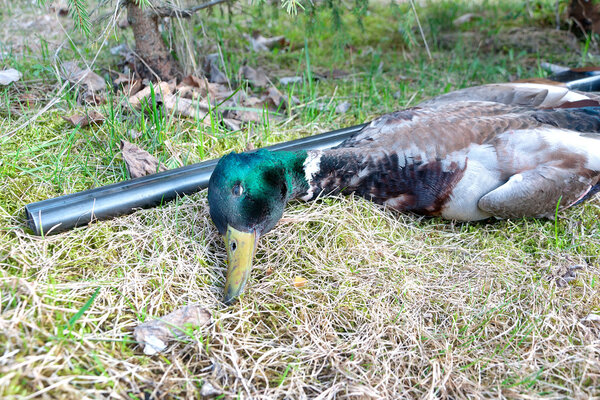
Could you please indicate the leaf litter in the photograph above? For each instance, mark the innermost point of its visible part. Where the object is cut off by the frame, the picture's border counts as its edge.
(156, 334)
(9, 76)
(138, 161)
(85, 119)
(260, 43)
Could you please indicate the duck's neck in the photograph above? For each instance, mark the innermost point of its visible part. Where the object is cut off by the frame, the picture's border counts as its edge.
(314, 172)
(293, 163)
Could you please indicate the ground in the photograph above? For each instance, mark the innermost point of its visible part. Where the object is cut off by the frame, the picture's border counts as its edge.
(394, 305)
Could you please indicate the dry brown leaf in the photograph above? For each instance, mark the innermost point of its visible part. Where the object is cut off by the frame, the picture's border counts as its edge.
(232, 124)
(463, 19)
(208, 389)
(132, 88)
(9, 75)
(197, 109)
(299, 282)
(86, 119)
(330, 74)
(193, 80)
(94, 98)
(343, 107)
(139, 162)
(261, 43)
(277, 100)
(256, 77)
(193, 87)
(288, 80)
(241, 113)
(84, 77)
(570, 274)
(211, 67)
(130, 84)
(155, 335)
(163, 89)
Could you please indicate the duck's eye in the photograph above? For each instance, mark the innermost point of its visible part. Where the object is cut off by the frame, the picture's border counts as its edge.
(237, 190)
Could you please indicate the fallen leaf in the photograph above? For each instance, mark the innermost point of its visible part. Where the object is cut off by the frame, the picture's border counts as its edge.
(193, 80)
(568, 276)
(242, 112)
(130, 84)
(196, 109)
(212, 69)
(299, 282)
(85, 77)
(132, 88)
(261, 43)
(256, 77)
(94, 98)
(330, 74)
(592, 318)
(209, 390)
(321, 106)
(139, 162)
(201, 87)
(277, 100)
(135, 134)
(155, 335)
(86, 119)
(232, 124)
(9, 76)
(288, 80)
(463, 19)
(343, 107)
(163, 89)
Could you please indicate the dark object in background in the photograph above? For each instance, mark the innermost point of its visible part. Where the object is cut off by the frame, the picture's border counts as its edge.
(583, 79)
(66, 212)
(586, 15)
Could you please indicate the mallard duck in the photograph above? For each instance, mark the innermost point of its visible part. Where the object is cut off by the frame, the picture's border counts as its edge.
(501, 150)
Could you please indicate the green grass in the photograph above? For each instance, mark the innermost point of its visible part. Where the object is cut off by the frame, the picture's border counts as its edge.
(394, 304)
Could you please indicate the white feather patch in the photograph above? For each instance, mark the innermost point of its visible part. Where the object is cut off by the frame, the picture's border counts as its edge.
(312, 165)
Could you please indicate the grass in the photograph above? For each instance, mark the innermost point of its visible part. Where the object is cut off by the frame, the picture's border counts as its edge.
(394, 306)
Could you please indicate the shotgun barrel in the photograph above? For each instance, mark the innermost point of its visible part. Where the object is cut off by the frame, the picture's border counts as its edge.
(69, 211)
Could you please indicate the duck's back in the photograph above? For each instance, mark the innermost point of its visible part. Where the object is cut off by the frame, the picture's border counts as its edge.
(464, 157)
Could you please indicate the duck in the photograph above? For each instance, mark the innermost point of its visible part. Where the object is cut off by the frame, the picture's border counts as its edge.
(506, 150)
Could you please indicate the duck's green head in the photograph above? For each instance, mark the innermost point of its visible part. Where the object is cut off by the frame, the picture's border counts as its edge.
(247, 194)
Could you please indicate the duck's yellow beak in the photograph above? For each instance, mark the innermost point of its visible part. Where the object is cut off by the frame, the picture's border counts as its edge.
(240, 252)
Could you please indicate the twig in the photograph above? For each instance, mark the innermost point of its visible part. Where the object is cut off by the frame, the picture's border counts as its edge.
(412, 3)
(169, 11)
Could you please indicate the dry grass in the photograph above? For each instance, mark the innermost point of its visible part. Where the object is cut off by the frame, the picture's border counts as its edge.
(394, 306)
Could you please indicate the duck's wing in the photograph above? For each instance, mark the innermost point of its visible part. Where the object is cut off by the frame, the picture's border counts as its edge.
(475, 115)
(538, 193)
(517, 94)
